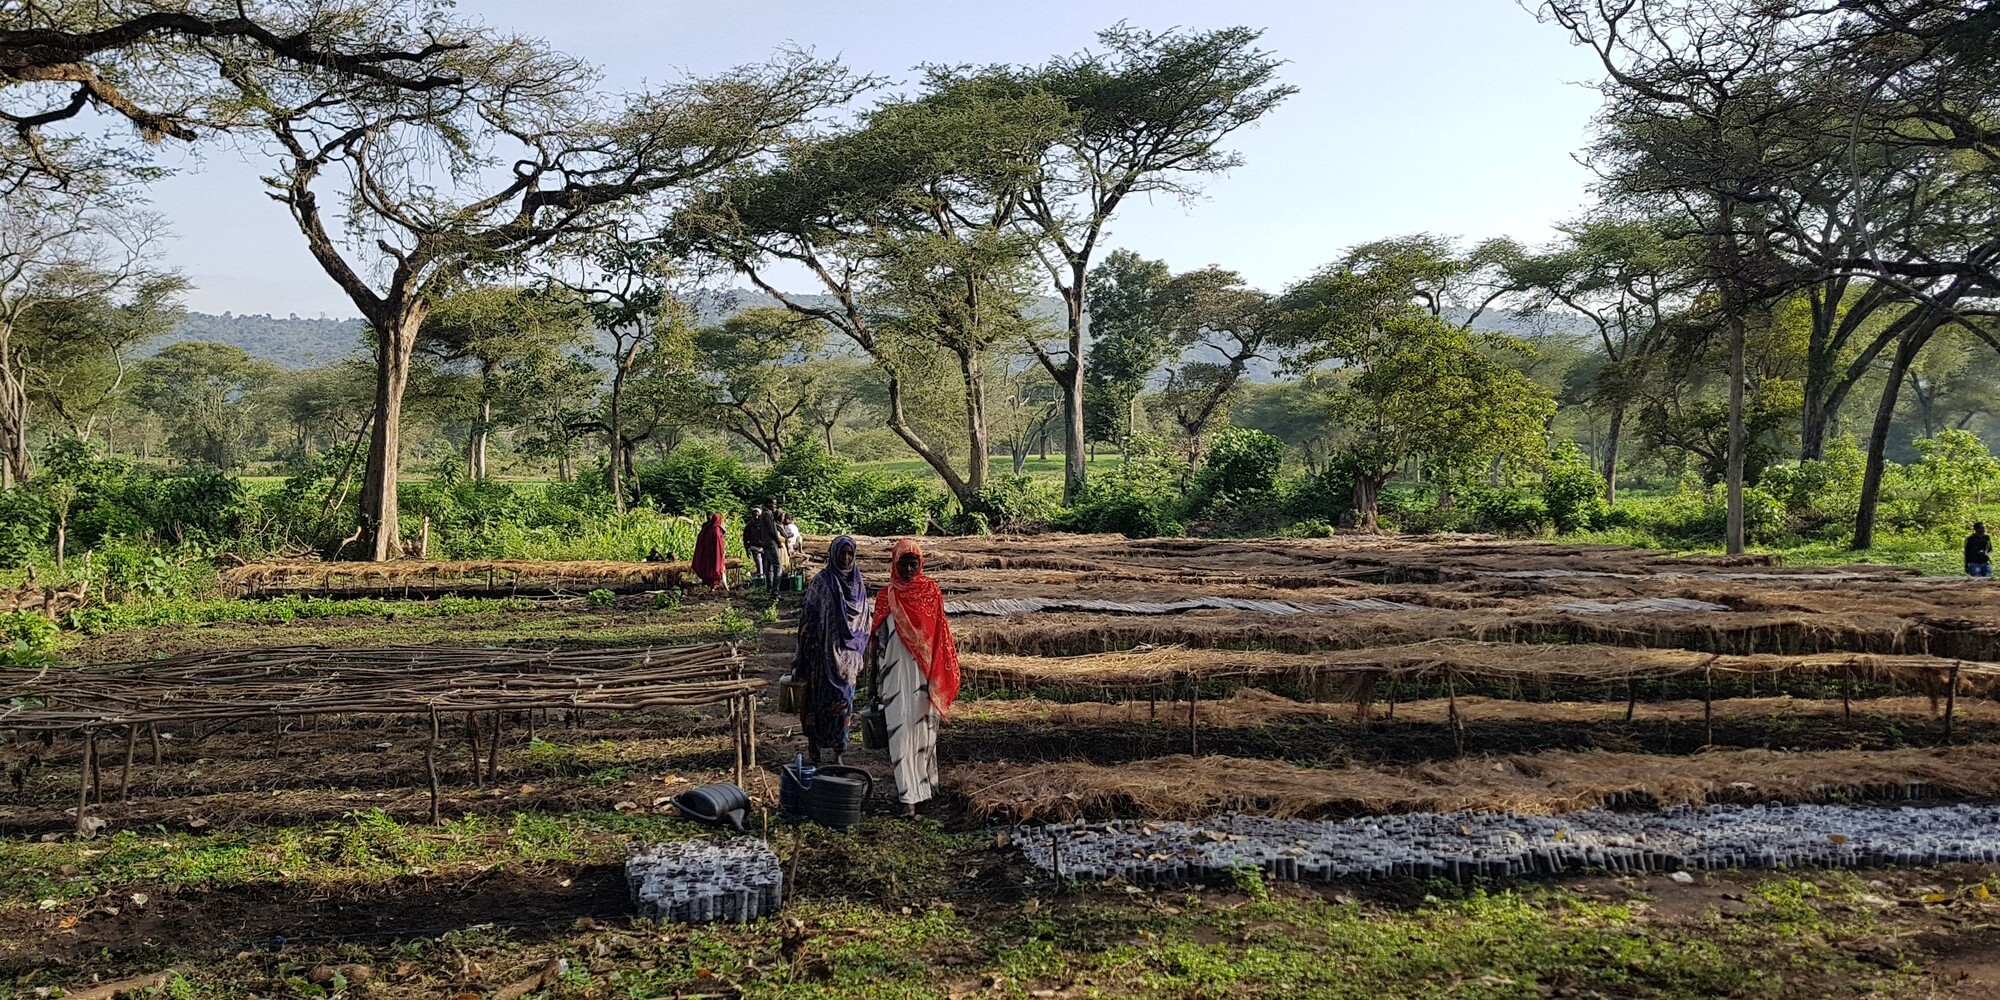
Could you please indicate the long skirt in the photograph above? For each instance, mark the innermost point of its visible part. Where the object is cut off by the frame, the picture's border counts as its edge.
(826, 711)
(912, 721)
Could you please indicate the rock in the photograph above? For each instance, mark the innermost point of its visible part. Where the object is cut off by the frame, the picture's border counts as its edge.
(357, 973)
(1682, 877)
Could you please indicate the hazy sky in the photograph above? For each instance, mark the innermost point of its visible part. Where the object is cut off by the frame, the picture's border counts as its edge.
(1449, 116)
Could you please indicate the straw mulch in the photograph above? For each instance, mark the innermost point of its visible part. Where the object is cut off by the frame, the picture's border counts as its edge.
(1184, 787)
(1150, 666)
(1251, 707)
(502, 576)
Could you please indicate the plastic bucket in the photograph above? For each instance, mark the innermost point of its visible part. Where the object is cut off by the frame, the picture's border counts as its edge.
(836, 795)
(874, 728)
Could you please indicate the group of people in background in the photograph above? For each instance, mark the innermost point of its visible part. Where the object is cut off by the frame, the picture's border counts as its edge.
(771, 538)
(905, 646)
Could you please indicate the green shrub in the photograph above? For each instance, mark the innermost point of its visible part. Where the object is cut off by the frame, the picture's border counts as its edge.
(1139, 499)
(1504, 510)
(1240, 472)
(25, 525)
(1820, 496)
(1573, 491)
(1326, 497)
(695, 479)
(1695, 515)
(1017, 503)
(600, 598)
(27, 631)
(1953, 475)
(898, 505)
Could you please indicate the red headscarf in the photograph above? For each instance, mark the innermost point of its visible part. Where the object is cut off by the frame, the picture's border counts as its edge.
(708, 551)
(919, 609)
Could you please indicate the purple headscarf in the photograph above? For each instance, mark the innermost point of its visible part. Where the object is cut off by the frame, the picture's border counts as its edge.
(837, 603)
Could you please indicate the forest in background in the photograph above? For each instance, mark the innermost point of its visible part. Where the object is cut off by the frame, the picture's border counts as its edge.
(1775, 326)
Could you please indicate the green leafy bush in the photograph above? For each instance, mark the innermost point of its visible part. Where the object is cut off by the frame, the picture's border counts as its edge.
(695, 479)
(1954, 474)
(1504, 510)
(1573, 491)
(1139, 499)
(600, 598)
(27, 631)
(25, 524)
(1240, 472)
(1699, 515)
(1018, 503)
(1820, 496)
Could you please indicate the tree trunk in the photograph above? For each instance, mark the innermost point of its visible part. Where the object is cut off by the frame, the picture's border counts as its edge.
(1367, 494)
(980, 449)
(482, 427)
(1737, 375)
(617, 436)
(1611, 438)
(1075, 461)
(938, 463)
(15, 464)
(1907, 348)
(828, 429)
(381, 533)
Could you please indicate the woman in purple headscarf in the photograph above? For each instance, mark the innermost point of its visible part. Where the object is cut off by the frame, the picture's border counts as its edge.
(833, 632)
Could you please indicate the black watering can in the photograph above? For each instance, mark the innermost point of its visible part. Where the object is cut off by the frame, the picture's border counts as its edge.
(714, 805)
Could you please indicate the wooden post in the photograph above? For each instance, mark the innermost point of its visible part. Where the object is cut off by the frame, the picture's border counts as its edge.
(493, 751)
(1631, 696)
(1708, 704)
(125, 779)
(153, 733)
(96, 769)
(1846, 696)
(83, 780)
(1951, 700)
(1457, 723)
(1194, 700)
(472, 734)
(431, 769)
(750, 734)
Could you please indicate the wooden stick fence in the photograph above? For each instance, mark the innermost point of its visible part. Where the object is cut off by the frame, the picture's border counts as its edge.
(218, 689)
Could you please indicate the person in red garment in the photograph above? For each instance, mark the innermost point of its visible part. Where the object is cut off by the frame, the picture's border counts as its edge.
(708, 549)
(916, 671)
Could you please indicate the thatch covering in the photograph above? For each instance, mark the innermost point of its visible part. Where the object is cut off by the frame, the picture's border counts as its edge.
(1184, 787)
(416, 576)
(1497, 661)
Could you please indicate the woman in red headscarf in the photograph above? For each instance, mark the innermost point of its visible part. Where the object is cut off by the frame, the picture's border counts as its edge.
(916, 671)
(708, 549)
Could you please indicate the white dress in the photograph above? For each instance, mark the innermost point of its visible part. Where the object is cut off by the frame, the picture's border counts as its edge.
(912, 720)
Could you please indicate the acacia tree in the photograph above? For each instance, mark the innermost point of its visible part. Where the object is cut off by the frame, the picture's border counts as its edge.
(1149, 114)
(424, 207)
(75, 351)
(908, 224)
(1128, 341)
(1629, 280)
(1410, 383)
(478, 331)
(150, 63)
(1218, 325)
(62, 250)
(203, 392)
(760, 374)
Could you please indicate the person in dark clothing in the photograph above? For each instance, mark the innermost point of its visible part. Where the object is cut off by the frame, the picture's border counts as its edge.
(1979, 552)
(753, 542)
(772, 540)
